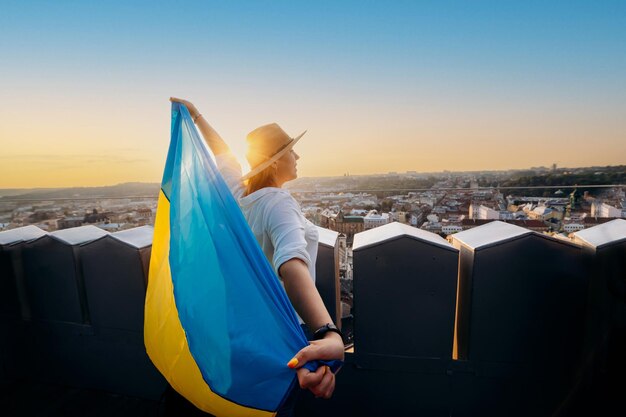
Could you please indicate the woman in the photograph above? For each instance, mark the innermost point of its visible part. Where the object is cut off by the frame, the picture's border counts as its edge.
(288, 240)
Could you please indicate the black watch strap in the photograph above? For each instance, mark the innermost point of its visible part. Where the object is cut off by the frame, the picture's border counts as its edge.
(328, 327)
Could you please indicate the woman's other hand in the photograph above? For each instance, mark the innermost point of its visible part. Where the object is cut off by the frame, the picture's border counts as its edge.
(321, 382)
(193, 112)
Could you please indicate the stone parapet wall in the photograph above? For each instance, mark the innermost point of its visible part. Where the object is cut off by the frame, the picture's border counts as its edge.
(502, 320)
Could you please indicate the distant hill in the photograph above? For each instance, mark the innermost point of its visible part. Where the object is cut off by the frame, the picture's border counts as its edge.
(568, 179)
(8, 192)
(129, 189)
(539, 176)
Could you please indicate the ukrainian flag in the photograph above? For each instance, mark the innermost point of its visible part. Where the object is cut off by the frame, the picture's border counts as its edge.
(218, 324)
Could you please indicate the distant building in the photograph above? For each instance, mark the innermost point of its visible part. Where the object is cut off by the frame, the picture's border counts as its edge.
(472, 212)
(144, 214)
(573, 227)
(448, 229)
(95, 217)
(399, 216)
(69, 222)
(506, 215)
(343, 251)
(434, 227)
(325, 217)
(416, 218)
(486, 213)
(591, 221)
(542, 213)
(605, 211)
(348, 225)
(373, 219)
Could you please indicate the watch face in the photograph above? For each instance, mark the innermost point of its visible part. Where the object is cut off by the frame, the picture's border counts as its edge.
(319, 333)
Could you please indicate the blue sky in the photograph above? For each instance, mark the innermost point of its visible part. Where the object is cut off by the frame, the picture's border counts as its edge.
(399, 86)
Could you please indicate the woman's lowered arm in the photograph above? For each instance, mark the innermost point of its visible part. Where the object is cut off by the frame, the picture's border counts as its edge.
(309, 305)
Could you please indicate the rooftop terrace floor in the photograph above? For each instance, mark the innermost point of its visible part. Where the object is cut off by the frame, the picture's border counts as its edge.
(22, 398)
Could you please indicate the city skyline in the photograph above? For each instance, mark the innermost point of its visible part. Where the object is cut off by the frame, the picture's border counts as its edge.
(424, 87)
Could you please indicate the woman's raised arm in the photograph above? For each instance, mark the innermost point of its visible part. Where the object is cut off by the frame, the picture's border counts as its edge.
(211, 137)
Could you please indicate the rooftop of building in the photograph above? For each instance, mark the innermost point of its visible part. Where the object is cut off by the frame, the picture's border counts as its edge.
(545, 335)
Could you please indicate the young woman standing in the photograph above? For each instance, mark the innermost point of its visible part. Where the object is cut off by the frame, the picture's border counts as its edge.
(288, 240)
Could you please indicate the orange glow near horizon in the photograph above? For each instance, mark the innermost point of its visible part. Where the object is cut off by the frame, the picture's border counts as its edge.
(66, 158)
(107, 143)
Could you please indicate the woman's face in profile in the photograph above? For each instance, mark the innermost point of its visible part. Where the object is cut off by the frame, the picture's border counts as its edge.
(287, 166)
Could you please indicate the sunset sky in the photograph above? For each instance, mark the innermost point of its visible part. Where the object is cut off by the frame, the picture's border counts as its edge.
(380, 86)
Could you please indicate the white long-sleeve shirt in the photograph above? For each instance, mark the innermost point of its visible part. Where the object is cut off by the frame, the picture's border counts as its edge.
(275, 218)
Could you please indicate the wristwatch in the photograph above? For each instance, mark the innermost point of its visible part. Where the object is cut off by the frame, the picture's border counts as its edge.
(328, 327)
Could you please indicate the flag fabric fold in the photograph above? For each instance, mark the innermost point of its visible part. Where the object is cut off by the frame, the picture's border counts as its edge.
(218, 324)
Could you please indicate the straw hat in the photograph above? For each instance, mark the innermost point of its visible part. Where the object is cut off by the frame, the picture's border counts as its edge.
(267, 144)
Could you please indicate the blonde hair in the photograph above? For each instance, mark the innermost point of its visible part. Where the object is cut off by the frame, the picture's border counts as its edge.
(263, 179)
